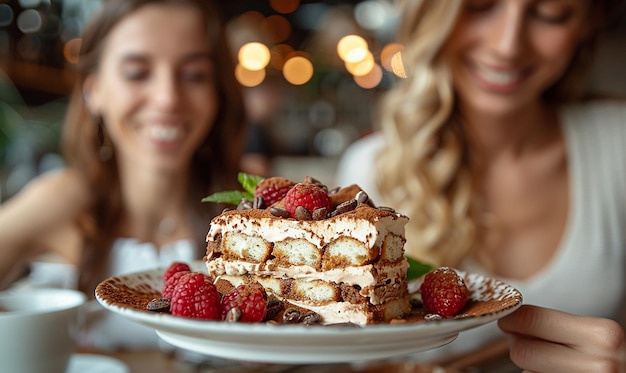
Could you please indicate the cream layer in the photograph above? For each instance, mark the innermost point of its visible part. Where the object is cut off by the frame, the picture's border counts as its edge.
(364, 276)
(339, 312)
(318, 232)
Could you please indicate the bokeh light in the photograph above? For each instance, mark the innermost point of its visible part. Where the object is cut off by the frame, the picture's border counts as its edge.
(352, 48)
(298, 70)
(30, 21)
(249, 78)
(6, 15)
(71, 49)
(284, 6)
(276, 27)
(397, 66)
(371, 14)
(386, 54)
(371, 79)
(254, 56)
(362, 67)
(251, 17)
(29, 3)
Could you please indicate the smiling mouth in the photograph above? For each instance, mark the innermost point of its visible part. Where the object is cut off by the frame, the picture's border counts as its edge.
(161, 133)
(498, 78)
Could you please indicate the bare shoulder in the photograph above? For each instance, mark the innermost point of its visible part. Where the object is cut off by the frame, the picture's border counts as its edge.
(41, 217)
(65, 188)
(48, 201)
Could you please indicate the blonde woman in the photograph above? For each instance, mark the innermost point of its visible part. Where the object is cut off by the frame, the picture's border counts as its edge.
(506, 167)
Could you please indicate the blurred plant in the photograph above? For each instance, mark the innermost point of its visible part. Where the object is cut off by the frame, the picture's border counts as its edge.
(29, 139)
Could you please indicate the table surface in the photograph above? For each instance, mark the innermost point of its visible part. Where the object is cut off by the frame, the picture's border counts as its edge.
(158, 361)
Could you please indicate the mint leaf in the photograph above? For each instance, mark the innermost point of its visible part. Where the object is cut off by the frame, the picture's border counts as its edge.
(232, 197)
(248, 182)
(417, 268)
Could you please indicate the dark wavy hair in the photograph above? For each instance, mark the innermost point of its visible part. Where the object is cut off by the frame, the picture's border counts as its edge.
(214, 165)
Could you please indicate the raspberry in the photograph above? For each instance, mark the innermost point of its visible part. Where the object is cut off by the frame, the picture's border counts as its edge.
(250, 299)
(306, 195)
(170, 283)
(444, 292)
(173, 268)
(273, 189)
(195, 297)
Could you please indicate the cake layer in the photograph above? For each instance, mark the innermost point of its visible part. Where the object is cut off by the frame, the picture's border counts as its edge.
(371, 280)
(365, 235)
(363, 313)
(319, 292)
(335, 303)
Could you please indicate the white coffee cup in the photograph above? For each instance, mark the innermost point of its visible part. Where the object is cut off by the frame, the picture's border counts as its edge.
(39, 329)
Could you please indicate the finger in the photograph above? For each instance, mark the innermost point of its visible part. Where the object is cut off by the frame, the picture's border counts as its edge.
(591, 335)
(540, 356)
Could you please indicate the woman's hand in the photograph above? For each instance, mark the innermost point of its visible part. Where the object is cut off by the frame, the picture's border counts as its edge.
(545, 340)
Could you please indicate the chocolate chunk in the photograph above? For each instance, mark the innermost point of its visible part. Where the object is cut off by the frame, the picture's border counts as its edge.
(279, 212)
(159, 305)
(311, 318)
(302, 213)
(291, 316)
(274, 306)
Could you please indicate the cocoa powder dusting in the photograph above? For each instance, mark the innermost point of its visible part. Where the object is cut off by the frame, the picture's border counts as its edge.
(117, 293)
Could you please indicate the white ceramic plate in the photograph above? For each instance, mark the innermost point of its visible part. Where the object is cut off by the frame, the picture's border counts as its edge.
(127, 296)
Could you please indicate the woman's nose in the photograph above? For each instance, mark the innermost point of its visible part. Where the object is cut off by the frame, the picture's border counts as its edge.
(507, 38)
(165, 91)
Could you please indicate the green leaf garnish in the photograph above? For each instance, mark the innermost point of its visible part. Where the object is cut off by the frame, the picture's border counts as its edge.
(234, 197)
(248, 182)
(417, 268)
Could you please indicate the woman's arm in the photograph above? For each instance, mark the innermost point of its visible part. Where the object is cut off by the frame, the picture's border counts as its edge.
(39, 219)
(546, 340)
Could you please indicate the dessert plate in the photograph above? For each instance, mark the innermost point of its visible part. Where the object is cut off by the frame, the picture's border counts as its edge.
(127, 296)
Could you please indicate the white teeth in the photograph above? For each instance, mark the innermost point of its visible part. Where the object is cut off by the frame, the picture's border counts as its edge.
(498, 77)
(165, 133)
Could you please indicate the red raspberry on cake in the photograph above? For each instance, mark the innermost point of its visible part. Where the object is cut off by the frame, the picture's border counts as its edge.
(309, 196)
(273, 189)
(250, 299)
(171, 276)
(195, 296)
(444, 292)
(170, 284)
(174, 268)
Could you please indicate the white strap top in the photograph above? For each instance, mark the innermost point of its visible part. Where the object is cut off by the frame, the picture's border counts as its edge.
(129, 255)
(110, 331)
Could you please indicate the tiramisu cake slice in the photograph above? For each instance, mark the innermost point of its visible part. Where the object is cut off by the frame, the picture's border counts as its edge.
(333, 253)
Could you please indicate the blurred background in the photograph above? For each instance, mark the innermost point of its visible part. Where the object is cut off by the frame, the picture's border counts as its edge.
(311, 70)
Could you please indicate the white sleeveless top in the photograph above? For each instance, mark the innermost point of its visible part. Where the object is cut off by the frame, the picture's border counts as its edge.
(105, 330)
(109, 331)
(587, 276)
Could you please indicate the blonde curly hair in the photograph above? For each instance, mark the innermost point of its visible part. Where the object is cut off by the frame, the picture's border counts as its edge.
(423, 170)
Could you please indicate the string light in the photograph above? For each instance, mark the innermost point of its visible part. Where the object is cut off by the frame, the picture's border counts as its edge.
(254, 56)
